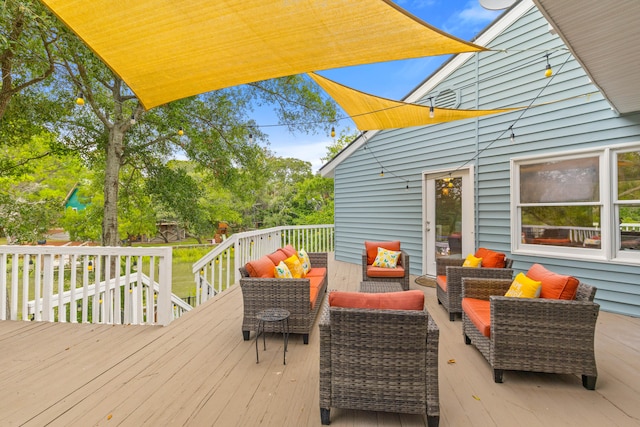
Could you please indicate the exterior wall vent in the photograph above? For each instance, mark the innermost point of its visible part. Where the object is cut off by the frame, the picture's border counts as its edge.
(447, 99)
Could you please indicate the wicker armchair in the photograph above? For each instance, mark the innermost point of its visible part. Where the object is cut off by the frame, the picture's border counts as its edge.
(379, 360)
(403, 280)
(453, 271)
(535, 334)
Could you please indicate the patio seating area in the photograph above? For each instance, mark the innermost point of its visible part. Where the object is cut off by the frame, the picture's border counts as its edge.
(199, 371)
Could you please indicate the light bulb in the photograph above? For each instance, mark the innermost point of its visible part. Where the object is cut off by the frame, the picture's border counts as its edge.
(80, 100)
(548, 73)
(512, 137)
(133, 120)
(382, 172)
(250, 138)
(180, 131)
(333, 132)
(431, 112)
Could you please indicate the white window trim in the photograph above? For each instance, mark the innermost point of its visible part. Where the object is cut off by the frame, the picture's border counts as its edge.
(608, 250)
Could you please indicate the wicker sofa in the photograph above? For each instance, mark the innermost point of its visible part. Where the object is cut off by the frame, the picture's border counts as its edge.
(379, 360)
(295, 295)
(450, 272)
(534, 334)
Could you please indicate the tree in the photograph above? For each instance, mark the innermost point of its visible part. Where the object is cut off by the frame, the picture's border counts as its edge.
(345, 138)
(31, 198)
(212, 129)
(312, 201)
(26, 56)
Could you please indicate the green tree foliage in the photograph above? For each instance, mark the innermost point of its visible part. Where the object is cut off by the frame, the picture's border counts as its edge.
(214, 129)
(345, 138)
(32, 196)
(312, 201)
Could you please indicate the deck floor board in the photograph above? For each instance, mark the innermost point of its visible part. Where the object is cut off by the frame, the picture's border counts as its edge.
(199, 371)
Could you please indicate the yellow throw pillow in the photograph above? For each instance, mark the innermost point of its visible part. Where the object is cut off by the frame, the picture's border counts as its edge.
(524, 287)
(295, 267)
(282, 271)
(386, 258)
(472, 261)
(304, 260)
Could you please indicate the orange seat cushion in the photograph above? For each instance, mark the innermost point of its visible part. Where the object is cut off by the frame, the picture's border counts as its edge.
(313, 296)
(479, 312)
(404, 300)
(554, 285)
(385, 272)
(442, 282)
(316, 272)
(491, 259)
(372, 249)
(261, 267)
(315, 282)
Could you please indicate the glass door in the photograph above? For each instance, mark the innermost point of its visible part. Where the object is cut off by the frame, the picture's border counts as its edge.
(449, 216)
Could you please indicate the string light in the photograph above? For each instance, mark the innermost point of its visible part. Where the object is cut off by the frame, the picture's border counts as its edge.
(407, 187)
(548, 72)
(382, 173)
(180, 131)
(512, 137)
(333, 132)
(80, 99)
(250, 138)
(431, 110)
(133, 120)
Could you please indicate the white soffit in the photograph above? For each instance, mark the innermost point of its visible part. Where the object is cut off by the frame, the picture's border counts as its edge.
(603, 35)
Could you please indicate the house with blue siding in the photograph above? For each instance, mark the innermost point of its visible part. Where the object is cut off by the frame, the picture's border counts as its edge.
(556, 182)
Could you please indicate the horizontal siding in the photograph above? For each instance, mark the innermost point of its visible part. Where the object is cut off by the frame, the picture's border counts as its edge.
(568, 114)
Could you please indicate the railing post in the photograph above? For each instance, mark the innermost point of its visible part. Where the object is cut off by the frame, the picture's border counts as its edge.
(164, 293)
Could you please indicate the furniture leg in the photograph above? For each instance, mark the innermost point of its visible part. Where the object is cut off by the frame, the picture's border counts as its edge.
(324, 416)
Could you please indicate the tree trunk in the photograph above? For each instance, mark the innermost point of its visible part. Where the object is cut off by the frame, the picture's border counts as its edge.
(111, 184)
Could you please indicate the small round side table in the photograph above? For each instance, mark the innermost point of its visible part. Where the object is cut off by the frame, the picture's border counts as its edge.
(273, 315)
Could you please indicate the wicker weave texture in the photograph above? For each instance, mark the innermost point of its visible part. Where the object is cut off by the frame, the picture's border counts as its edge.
(379, 360)
(291, 294)
(404, 262)
(451, 299)
(535, 334)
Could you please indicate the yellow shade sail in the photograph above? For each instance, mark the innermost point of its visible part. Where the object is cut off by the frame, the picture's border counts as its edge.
(170, 49)
(373, 113)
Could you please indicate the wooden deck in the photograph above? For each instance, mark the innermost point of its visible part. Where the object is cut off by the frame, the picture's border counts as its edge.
(199, 372)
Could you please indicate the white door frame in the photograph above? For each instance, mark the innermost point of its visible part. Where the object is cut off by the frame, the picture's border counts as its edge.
(429, 213)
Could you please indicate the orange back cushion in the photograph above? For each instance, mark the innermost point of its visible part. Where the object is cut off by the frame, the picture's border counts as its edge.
(372, 248)
(405, 300)
(278, 256)
(491, 259)
(261, 267)
(289, 250)
(554, 285)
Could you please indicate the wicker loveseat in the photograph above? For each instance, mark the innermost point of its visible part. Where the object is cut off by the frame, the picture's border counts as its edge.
(301, 297)
(400, 274)
(449, 274)
(534, 334)
(379, 360)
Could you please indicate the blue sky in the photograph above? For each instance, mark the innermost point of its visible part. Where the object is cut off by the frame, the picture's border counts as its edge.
(394, 80)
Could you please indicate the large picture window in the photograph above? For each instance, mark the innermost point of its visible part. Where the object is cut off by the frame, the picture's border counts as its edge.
(586, 204)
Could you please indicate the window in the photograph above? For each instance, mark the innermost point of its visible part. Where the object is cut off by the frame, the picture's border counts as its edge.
(627, 202)
(585, 205)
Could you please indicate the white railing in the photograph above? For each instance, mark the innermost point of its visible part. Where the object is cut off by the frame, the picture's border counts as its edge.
(218, 269)
(88, 284)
